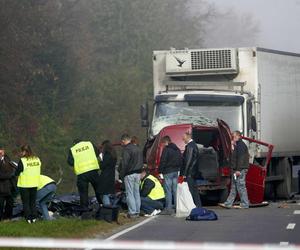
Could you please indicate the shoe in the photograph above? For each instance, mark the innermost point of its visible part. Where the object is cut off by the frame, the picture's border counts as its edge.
(132, 216)
(167, 212)
(224, 206)
(29, 221)
(33, 221)
(156, 212)
(240, 207)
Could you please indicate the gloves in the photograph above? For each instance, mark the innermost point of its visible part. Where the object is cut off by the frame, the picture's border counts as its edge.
(181, 179)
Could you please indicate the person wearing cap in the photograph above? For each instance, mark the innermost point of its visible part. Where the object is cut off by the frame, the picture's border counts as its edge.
(152, 194)
(45, 192)
(83, 157)
(28, 172)
(7, 185)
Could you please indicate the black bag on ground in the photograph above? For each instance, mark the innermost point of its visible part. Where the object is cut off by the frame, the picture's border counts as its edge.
(201, 214)
(108, 214)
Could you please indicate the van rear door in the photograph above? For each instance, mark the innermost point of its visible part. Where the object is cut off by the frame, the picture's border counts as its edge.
(256, 176)
(225, 136)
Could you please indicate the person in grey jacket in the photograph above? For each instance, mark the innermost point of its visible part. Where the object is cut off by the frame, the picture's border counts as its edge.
(131, 167)
(190, 161)
(239, 166)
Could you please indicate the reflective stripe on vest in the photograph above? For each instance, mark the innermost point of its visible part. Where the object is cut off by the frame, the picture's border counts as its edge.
(44, 180)
(157, 192)
(30, 176)
(85, 158)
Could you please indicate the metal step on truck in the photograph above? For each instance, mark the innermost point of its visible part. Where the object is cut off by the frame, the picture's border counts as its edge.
(212, 92)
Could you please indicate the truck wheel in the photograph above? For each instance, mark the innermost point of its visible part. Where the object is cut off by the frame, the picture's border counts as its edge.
(269, 192)
(223, 195)
(284, 187)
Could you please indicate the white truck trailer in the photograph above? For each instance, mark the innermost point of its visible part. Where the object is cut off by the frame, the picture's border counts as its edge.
(254, 90)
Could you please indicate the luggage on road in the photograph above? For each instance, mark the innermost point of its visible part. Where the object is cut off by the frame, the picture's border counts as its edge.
(202, 214)
(185, 203)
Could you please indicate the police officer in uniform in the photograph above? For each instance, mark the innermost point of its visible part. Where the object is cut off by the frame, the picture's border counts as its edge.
(45, 192)
(28, 172)
(152, 194)
(83, 157)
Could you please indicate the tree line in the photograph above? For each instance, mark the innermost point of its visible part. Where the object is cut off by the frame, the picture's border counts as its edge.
(81, 68)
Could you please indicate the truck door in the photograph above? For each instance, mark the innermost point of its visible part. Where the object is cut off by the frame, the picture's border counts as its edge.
(255, 179)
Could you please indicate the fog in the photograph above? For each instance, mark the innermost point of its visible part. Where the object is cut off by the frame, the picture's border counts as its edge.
(278, 21)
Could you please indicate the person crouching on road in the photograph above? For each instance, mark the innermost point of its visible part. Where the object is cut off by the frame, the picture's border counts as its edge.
(45, 192)
(239, 165)
(170, 164)
(130, 169)
(152, 194)
(28, 172)
(83, 157)
(7, 185)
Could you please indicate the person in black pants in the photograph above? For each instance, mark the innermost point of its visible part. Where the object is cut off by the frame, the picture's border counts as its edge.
(7, 185)
(188, 171)
(28, 172)
(83, 157)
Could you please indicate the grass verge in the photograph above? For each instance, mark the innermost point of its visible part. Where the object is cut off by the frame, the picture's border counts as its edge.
(61, 228)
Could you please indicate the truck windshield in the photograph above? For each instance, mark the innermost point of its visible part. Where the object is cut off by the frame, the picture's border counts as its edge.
(203, 113)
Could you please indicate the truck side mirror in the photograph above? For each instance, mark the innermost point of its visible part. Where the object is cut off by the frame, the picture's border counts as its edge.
(253, 123)
(144, 115)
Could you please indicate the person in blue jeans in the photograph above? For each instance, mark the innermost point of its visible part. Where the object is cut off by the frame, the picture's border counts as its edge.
(45, 193)
(170, 164)
(239, 164)
(130, 169)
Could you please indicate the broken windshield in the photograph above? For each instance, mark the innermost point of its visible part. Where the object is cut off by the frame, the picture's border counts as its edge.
(196, 112)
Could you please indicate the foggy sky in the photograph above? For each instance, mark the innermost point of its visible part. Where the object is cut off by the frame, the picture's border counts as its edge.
(279, 21)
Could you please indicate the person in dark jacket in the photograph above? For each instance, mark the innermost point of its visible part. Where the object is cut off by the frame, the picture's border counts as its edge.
(108, 168)
(131, 167)
(188, 172)
(170, 165)
(7, 185)
(152, 194)
(239, 166)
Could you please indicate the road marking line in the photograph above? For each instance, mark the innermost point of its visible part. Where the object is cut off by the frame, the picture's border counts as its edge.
(117, 235)
(297, 212)
(291, 226)
(283, 243)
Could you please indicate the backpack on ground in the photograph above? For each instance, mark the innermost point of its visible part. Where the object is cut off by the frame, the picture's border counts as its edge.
(202, 214)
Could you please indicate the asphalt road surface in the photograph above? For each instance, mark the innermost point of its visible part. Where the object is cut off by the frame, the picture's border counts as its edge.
(278, 223)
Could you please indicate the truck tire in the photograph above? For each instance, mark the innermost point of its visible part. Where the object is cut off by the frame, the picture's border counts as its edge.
(284, 187)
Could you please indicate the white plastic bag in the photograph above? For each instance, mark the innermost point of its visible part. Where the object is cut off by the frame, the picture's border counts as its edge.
(185, 202)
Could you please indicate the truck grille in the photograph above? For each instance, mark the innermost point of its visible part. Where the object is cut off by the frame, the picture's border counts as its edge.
(211, 59)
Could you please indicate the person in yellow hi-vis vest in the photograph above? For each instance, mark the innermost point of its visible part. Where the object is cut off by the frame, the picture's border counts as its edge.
(45, 193)
(152, 194)
(83, 157)
(28, 172)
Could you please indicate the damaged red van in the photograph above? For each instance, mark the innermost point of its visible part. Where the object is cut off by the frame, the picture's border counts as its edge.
(214, 144)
